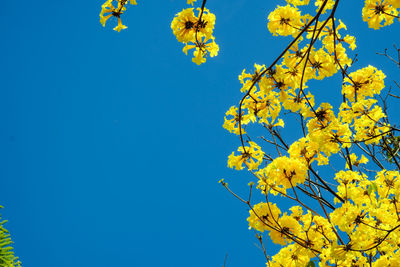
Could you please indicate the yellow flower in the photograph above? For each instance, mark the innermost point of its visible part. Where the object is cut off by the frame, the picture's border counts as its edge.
(388, 182)
(351, 40)
(232, 124)
(265, 106)
(103, 19)
(365, 82)
(183, 25)
(292, 255)
(377, 11)
(107, 7)
(298, 2)
(287, 226)
(247, 79)
(284, 20)
(284, 172)
(394, 3)
(263, 216)
(198, 57)
(186, 23)
(203, 48)
(307, 151)
(329, 5)
(345, 216)
(323, 64)
(294, 101)
(116, 12)
(119, 27)
(252, 157)
(190, 2)
(356, 162)
(205, 27)
(322, 117)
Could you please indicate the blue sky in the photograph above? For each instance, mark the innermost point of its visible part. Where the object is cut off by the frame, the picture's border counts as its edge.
(112, 143)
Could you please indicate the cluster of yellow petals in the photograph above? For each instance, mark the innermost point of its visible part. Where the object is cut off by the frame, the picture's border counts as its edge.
(196, 32)
(298, 2)
(190, 2)
(282, 173)
(370, 212)
(329, 5)
(285, 20)
(354, 161)
(363, 83)
(292, 231)
(108, 10)
(365, 117)
(366, 210)
(232, 122)
(380, 13)
(251, 156)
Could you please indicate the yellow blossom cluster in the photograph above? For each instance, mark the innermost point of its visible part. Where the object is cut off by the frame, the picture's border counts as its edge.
(282, 173)
(194, 28)
(283, 86)
(114, 8)
(251, 156)
(190, 2)
(380, 13)
(357, 221)
(369, 216)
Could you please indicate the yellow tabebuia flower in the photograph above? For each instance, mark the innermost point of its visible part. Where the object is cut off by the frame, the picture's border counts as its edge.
(307, 151)
(322, 118)
(196, 33)
(290, 256)
(283, 172)
(377, 11)
(284, 20)
(363, 83)
(120, 26)
(264, 216)
(264, 106)
(298, 2)
(248, 79)
(203, 48)
(389, 183)
(183, 25)
(186, 24)
(111, 11)
(232, 124)
(366, 119)
(190, 2)
(251, 156)
(394, 3)
(323, 64)
(351, 40)
(354, 161)
(287, 226)
(329, 5)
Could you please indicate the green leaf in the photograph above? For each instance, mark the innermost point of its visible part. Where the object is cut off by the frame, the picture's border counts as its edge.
(310, 264)
(369, 190)
(374, 187)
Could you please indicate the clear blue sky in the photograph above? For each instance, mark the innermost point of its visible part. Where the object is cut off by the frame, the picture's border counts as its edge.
(112, 143)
